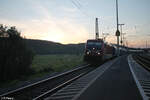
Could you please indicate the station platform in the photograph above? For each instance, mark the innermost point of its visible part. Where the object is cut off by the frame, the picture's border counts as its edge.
(116, 83)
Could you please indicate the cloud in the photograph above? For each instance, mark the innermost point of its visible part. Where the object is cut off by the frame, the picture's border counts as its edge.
(59, 30)
(48, 27)
(69, 10)
(70, 26)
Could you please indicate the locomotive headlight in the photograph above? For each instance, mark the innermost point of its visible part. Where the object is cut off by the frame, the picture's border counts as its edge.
(88, 53)
(98, 52)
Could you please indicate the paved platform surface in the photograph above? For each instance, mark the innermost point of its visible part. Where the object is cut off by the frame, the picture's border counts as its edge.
(116, 83)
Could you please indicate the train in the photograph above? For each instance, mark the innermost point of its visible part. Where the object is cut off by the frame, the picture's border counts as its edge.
(98, 50)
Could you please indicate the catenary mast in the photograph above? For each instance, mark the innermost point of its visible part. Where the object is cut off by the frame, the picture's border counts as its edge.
(96, 29)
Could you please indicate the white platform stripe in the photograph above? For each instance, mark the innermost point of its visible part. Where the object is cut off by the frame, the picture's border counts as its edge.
(144, 95)
(82, 83)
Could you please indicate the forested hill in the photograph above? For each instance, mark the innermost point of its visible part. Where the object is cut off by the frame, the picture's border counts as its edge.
(48, 47)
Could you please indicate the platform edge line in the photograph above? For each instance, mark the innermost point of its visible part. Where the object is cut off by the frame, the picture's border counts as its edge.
(136, 80)
(77, 96)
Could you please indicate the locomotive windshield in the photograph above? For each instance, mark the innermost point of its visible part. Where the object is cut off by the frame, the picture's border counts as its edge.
(94, 44)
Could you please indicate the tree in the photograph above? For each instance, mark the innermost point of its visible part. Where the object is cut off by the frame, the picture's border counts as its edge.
(15, 57)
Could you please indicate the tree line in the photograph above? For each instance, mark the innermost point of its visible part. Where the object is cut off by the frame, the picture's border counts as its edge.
(49, 47)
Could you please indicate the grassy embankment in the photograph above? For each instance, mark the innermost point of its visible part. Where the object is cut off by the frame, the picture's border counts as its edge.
(43, 64)
(47, 64)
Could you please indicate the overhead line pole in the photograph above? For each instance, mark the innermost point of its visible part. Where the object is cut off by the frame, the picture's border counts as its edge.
(96, 29)
(117, 32)
(121, 41)
(117, 14)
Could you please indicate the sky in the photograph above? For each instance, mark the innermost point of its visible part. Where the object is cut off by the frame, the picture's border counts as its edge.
(73, 21)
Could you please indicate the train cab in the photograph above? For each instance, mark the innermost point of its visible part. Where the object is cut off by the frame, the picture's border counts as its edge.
(94, 50)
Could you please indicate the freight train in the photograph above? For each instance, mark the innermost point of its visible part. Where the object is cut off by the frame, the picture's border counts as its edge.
(98, 50)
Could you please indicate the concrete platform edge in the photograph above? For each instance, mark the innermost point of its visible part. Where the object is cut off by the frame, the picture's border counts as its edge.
(78, 95)
(135, 79)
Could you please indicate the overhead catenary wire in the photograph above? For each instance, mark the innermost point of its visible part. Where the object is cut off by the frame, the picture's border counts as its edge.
(78, 5)
(75, 4)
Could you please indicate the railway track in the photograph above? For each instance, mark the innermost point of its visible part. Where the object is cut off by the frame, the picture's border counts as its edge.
(44, 88)
(139, 65)
(143, 60)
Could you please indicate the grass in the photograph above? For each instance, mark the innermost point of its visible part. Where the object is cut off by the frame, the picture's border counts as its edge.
(55, 62)
(46, 64)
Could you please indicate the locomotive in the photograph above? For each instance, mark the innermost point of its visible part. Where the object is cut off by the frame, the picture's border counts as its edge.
(98, 50)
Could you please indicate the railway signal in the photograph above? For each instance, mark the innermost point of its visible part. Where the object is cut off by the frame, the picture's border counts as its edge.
(117, 33)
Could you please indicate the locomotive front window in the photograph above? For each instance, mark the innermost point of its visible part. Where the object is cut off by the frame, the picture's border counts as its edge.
(94, 43)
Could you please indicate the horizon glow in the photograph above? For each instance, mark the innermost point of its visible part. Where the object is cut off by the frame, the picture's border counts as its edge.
(73, 21)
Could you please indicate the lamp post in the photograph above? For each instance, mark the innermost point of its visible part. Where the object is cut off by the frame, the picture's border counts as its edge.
(117, 31)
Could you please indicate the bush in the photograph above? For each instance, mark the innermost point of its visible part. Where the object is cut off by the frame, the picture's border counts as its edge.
(15, 57)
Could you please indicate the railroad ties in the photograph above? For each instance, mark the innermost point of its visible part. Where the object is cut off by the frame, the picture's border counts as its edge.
(75, 89)
(68, 92)
(32, 91)
(141, 74)
(146, 87)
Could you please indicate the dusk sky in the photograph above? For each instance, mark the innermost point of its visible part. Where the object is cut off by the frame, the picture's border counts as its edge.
(73, 21)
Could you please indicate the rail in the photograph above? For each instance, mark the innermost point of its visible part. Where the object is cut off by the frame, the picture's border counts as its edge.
(143, 60)
(50, 84)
